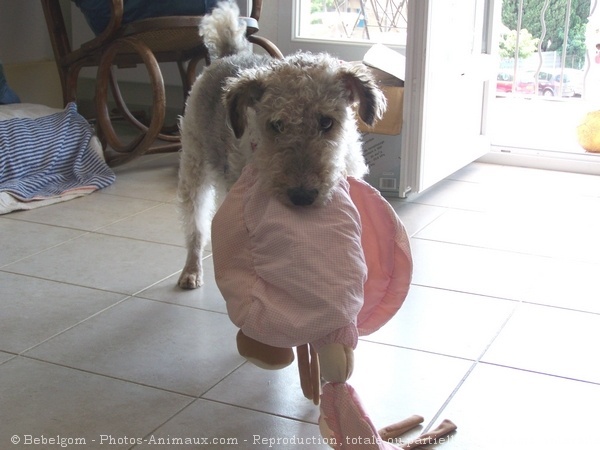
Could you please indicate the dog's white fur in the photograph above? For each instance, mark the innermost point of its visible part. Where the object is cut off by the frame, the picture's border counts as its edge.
(291, 117)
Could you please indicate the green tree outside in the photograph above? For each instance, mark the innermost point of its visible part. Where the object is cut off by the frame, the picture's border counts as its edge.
(528, 45)
(555, 25)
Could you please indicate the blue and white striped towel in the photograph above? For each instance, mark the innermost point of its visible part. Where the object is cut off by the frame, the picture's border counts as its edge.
(50, 157)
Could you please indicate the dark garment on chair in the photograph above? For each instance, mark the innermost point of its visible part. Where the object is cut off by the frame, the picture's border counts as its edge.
(97, 12)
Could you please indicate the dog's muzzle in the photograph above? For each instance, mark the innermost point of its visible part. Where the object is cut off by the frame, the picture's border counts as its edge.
(300, 196)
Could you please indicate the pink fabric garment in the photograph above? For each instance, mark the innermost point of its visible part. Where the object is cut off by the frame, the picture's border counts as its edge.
(290, 275)
(387, 253)
(294, 275)
(350, 425)
(297, 275)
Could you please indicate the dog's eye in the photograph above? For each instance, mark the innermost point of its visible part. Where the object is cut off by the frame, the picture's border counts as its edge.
(325, 123)
(277, 126)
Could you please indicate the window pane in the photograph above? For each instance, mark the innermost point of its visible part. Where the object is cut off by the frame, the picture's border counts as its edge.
(376, 21)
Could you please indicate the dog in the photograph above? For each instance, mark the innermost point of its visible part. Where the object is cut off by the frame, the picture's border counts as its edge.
(291, 117)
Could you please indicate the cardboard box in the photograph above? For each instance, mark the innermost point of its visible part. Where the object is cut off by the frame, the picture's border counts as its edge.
(388, 68)
(382, 143)
(382, 155)
(391, 122)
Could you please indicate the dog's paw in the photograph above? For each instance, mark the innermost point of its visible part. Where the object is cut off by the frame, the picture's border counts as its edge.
(190, 280)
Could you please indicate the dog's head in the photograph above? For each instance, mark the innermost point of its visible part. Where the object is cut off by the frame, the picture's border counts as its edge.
(305, 126)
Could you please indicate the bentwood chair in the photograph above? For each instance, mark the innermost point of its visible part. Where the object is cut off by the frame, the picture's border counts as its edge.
(173, 39)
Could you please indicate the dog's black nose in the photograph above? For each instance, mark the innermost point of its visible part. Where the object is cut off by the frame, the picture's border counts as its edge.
(300, 196)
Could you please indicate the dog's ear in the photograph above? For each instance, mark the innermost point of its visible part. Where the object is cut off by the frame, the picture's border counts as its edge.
(240, 94)
(364, 90)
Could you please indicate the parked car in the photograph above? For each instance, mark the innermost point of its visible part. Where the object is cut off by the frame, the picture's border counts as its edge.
(525, 83)
(549, 82)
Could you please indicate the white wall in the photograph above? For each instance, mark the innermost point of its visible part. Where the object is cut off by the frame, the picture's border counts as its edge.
(269, 18)
(23, 32)
(26, 52)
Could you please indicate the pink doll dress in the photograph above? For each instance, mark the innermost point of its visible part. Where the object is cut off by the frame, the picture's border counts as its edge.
(296, 275)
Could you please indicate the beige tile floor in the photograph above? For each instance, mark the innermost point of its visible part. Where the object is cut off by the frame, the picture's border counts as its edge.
(500, 331)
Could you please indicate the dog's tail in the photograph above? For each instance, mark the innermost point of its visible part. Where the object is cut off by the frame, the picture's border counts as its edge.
(223, 31)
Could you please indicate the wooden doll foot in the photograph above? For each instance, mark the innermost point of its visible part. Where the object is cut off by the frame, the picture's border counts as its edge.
(263, 355)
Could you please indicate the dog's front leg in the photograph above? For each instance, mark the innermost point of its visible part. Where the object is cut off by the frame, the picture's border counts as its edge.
(192, 277)
(195, 236)
(197, 202)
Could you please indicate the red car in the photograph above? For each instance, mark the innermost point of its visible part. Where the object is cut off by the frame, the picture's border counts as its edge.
(525, 83)
(549, 84)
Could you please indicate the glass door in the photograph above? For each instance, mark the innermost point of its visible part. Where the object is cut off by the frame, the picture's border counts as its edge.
(450, 67)
(548, 80)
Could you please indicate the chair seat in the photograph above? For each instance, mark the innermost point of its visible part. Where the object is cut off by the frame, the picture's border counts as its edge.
(166, 33)
(177, 32)
(164, 36)
(168, 38)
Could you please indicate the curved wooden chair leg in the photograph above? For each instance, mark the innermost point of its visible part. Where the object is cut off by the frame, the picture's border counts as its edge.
(71, 78)
(139, 145)
(120, 103)
(188, 73)
(267, 45)
(166, 133)
(186, 86)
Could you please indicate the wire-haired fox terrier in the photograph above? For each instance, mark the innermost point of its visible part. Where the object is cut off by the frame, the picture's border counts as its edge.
(291, 117)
